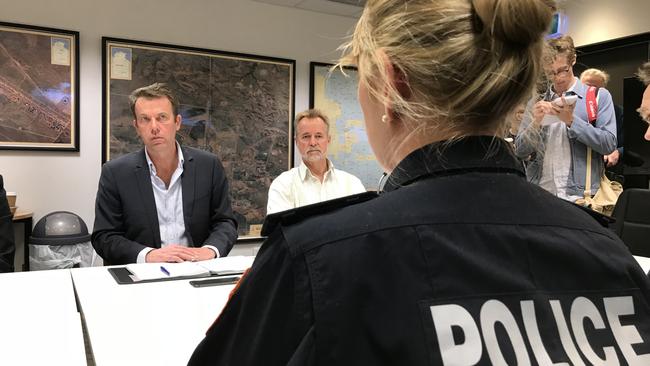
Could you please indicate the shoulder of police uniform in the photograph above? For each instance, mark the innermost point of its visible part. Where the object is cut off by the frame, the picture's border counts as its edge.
(300, 214)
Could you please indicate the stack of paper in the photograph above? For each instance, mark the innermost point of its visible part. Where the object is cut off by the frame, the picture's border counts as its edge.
(151, 271)
(227, 265)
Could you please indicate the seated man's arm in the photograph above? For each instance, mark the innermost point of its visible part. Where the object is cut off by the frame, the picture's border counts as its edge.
(108, 237)
(223, 226)
(7, 244)
(279, 198)
(601, 136)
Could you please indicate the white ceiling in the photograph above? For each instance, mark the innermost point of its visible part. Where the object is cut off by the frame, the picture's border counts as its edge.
(336, 7)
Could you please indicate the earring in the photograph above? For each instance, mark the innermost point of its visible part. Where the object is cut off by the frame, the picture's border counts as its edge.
(385, 119)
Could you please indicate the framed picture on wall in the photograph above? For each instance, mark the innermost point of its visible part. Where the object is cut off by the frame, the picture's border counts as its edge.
(39, 88)
(238, 106)
(335, 94)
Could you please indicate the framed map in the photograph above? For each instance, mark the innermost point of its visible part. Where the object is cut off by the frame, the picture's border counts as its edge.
(335, 94)
(238, 106)
(39, 88)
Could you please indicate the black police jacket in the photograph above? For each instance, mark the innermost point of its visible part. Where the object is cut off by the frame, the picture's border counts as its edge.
(460, 261)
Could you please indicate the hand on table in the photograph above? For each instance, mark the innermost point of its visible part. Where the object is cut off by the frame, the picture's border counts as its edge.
(178, 253)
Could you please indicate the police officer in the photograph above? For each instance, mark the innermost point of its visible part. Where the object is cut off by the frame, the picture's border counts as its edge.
(460, 260)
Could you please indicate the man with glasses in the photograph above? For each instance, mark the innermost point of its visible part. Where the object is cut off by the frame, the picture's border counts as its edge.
(557, 132)
(164, 203)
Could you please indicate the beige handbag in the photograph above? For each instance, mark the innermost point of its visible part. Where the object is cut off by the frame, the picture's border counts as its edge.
(605, 198)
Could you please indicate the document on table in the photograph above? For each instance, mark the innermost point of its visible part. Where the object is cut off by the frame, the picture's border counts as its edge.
(153, 271)
(218, 266)
(228, 265)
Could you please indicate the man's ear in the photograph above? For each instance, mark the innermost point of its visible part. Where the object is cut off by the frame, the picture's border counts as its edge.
(178, 121)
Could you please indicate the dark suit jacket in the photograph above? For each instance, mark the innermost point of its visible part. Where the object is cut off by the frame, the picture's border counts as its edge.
(7, 244)
(126, 220)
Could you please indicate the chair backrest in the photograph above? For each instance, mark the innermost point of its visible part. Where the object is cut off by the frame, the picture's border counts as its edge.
(632, 214)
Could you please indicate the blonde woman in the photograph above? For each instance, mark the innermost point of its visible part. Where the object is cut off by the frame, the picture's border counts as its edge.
(459, 261)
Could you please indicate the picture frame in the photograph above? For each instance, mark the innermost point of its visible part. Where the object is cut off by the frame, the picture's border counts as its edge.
(334, 92)
(39, 88)
(238, 106)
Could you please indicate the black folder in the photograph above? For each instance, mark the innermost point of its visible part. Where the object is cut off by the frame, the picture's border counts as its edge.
(123, 277)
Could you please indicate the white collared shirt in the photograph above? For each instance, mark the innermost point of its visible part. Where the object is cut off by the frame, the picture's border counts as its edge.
(299, 187)
(169, 205)
(557, 156)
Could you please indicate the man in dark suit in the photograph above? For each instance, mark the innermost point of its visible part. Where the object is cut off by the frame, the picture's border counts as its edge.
(164, 203)
(7, 244)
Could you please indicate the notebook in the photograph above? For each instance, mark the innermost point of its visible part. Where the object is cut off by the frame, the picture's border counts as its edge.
(161, 271)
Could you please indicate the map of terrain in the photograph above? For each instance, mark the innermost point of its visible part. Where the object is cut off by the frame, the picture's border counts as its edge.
(335, 95)
(238, 108)
(35, 94)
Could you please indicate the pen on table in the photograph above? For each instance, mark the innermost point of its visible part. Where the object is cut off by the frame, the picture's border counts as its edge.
(165, 271)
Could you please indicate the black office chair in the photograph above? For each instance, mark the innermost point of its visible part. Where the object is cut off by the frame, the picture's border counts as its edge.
(632, 214)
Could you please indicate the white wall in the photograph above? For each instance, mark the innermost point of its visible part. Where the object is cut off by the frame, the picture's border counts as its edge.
(50, 181)
(594, 21)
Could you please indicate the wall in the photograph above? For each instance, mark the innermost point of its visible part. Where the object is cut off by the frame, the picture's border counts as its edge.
(49, 181)
(593, 21)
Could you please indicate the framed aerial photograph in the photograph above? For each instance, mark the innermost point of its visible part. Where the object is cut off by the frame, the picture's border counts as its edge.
(39, 88)
(335, 94)
(237, 106)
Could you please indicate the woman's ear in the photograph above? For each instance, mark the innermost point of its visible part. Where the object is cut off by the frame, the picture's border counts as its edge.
(396, 80)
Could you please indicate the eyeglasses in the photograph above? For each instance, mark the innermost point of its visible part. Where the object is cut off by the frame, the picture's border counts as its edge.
(563, 72)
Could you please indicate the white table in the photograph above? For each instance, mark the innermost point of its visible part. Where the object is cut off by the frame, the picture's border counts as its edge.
(39, 321)
(157, 323)
(644, 262)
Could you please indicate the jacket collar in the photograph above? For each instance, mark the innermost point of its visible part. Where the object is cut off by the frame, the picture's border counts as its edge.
(469, 154)
(578, 88)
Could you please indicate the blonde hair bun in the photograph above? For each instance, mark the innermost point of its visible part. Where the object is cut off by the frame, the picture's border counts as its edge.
(516, 22)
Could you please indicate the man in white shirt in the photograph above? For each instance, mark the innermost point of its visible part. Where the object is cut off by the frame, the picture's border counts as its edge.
(315, 179)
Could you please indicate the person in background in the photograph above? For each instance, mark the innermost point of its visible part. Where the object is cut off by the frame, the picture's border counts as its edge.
(560, 148)
(315, 179)
(436, 269)
(514, 122)
(599, 79)
(164, 203)
(644, 109)
(7, 243)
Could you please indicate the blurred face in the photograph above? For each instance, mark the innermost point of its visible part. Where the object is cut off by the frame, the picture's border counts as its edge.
(518, 117)
(593, 80)
(156, 124)
(312, 139)
(560, 72)
(644, 111)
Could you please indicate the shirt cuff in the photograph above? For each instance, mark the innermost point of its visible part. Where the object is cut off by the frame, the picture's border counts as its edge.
(216, 251)
(577, 127)
(142, 256)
